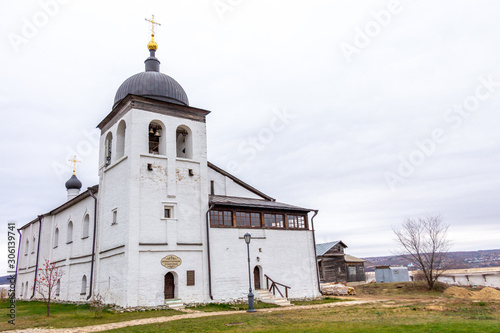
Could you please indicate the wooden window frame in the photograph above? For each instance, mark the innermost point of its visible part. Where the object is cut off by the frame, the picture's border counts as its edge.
(243, 217)
(297, 223)
(261, 214)
(190, 278)
(274, 220)
(222, 214)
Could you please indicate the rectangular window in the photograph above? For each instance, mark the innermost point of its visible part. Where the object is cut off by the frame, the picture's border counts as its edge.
(243, 219)
(115, 217)
(190, 278)
(167, 212)
(221, 218)
(273, 220)
(255, 218)
(296, 221)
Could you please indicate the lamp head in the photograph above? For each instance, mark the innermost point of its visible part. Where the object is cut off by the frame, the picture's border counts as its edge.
(247, 237)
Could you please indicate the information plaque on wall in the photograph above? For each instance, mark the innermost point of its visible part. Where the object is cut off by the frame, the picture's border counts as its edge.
(171, 261)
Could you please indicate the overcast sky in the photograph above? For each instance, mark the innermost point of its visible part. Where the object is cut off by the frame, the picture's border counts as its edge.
(369, 111)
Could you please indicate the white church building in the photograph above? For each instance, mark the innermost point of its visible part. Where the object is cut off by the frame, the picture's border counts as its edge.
(164, 223)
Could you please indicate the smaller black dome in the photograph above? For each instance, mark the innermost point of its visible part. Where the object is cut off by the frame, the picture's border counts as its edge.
(73, 183)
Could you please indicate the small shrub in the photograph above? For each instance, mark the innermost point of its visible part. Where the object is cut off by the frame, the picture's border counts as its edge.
(440, 287)
(97, 305)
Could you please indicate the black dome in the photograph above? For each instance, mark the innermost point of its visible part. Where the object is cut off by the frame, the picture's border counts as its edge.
(153, 85)
(73, 183)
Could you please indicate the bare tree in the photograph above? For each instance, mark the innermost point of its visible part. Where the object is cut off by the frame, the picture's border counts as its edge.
(48, 282)
(424, 240)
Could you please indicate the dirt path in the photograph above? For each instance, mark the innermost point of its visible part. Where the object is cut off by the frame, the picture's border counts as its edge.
(188, 314)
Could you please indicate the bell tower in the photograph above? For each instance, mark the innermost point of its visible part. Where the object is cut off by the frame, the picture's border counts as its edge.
(153, 189)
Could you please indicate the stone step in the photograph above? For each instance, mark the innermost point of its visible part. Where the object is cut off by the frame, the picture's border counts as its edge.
(175, 304)
(266, 296)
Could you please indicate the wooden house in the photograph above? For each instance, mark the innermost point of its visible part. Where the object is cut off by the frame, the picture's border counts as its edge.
(336, 266)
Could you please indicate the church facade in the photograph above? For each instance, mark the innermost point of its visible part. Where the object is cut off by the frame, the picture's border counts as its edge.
(164, 223)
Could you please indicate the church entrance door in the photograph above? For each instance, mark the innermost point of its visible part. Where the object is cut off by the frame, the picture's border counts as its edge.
(169, 286)
(256, 277)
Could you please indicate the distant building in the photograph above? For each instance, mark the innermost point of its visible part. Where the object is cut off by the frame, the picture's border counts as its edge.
(336, 266)
(391, 274)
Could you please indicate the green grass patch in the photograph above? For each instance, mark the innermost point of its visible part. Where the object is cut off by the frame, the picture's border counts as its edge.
(324, 300)
(34, 314)
(212, 307)
(398, 315)
(363, 318)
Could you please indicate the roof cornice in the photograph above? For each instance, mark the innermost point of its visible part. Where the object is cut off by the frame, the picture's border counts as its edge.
(152, 105)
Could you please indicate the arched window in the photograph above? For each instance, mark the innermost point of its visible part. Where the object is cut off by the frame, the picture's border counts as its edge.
(58, 287)
(22, 290)
(26, 290)
(108, 145)
(86, 224)
(84, 286)
(26, 249)
(184, 142)
(69, 238)
(56, 237)
(33, 245)
(120, 139)
(155, 138)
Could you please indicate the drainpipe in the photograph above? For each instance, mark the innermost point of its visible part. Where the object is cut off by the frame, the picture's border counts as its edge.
(208, 253)
(315, 253)
(93, 243)
(18, 249)
(37, 254)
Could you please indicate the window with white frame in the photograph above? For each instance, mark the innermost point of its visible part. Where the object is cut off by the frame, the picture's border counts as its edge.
(56, 238)
(69, 238)
(58, 287)
(167, 210)
(86, 226)
(114, 218)
(83, 291)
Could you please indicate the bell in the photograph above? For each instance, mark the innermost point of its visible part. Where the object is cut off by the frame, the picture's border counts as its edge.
(157, 133)
(151, 131)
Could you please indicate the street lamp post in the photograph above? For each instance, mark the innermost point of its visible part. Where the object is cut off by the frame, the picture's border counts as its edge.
(251, 308)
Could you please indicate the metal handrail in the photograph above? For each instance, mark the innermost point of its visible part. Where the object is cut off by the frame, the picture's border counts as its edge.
(274, 287)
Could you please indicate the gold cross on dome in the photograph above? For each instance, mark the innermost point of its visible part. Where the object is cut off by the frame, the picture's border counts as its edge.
(153, 23)
(74, 161)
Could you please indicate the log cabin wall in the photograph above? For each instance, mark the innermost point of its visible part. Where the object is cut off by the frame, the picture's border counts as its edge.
(355, 272)
(333, 269)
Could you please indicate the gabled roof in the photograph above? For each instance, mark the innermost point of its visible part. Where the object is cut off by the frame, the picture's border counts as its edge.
(239, 182)
(248, 202)
(323, 248)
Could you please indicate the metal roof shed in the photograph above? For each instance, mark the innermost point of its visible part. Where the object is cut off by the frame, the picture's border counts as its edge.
(391, 274)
